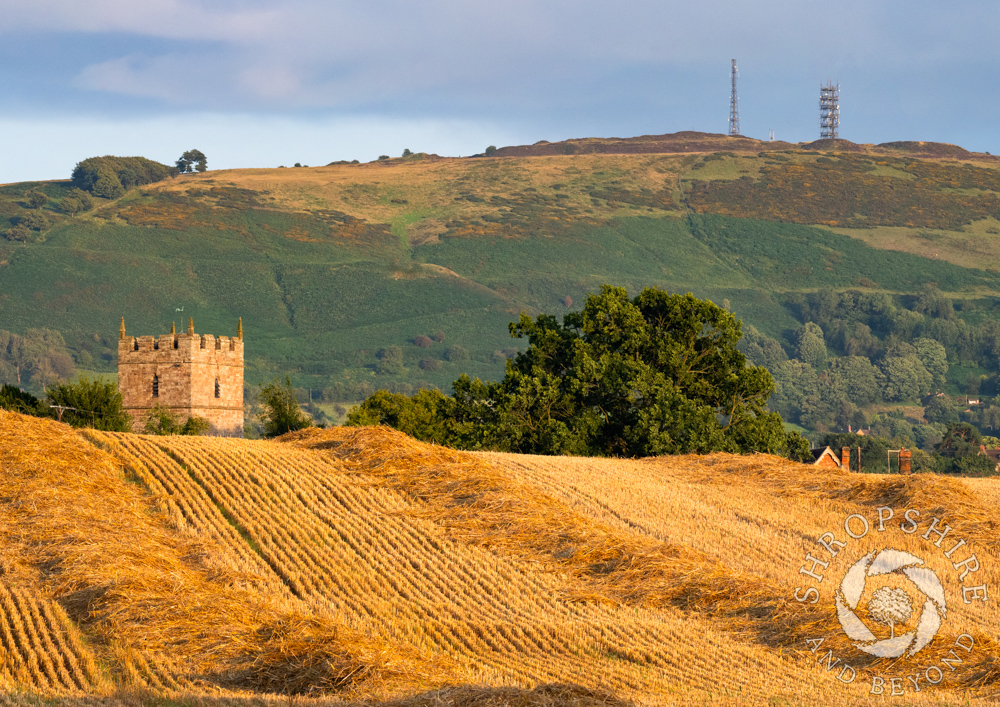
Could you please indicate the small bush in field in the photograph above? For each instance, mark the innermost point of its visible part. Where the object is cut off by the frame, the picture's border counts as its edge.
(430, 364)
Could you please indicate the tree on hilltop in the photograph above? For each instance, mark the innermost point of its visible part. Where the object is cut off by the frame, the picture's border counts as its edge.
(192, 161)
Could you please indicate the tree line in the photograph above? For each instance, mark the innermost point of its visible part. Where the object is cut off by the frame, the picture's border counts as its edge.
(35, 359)
(855, 349)
(856, 355)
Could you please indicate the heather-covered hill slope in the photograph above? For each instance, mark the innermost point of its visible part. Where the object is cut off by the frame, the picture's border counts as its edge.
(356, 563)
(330, 265)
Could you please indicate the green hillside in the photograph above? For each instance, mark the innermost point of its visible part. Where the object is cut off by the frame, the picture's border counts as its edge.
(328, 266)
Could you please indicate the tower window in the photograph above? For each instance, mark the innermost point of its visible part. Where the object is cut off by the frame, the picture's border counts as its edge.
(136, 345)
(218, 389)
(175, 343)
(156, 386)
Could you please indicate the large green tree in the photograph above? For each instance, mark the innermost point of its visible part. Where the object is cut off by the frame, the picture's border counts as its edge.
(857, 378)
(40, 353)
(657, 374)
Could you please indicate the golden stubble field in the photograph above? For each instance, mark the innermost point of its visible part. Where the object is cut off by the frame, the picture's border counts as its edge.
(358, 564)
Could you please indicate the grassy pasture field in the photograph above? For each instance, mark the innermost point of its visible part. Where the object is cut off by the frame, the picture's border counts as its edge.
(352, 564)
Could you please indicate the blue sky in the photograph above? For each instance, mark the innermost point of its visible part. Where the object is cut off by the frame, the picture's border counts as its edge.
(258, 83)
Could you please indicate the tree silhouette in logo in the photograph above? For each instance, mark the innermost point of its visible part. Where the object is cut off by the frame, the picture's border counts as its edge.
(890, 606)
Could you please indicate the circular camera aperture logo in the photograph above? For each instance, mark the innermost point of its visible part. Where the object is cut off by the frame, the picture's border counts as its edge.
(889, 603)
(890, 606)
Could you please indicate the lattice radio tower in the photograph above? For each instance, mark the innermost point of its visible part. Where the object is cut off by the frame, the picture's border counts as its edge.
(829, 111)
(734, 106)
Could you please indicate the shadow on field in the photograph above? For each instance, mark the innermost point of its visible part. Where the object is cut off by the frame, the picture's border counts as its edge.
(552, 695)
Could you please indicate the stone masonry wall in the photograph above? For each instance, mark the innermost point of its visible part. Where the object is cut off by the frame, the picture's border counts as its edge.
(187, 367)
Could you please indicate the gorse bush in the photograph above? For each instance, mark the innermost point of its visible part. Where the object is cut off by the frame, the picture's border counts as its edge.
(36, 200)
(75, 201)
(33, 220)
(17, 232)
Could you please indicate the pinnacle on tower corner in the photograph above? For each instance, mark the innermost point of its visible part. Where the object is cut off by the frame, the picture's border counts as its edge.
(239, 329)
(121, 331)
(191, 326)
(173, 328)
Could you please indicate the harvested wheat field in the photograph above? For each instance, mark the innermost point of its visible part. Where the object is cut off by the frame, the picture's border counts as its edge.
(357, 565)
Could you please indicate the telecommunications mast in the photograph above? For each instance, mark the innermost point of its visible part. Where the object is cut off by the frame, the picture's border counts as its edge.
(734, 106)
(829, 111)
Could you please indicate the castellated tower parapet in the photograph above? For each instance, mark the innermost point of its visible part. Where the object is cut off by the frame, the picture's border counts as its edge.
(189, 374)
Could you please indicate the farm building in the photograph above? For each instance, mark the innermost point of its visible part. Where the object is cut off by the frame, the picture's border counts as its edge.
(825, 457)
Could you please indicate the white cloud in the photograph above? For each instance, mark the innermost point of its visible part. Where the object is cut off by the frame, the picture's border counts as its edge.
(311, 53)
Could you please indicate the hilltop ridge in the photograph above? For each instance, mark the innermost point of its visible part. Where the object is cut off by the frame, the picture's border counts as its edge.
(690, 141)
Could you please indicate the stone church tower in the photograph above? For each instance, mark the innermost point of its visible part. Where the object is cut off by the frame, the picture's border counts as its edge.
(189, 374)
